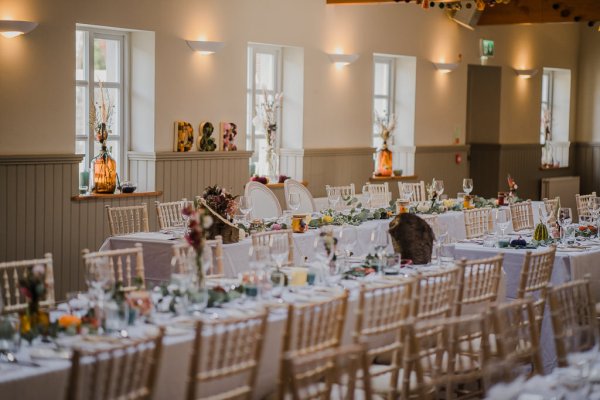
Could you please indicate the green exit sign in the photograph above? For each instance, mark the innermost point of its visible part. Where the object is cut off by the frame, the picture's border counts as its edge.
(486, 48)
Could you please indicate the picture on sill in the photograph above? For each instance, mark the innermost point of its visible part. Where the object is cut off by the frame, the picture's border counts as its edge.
(228, 136)
(184, 136)
(206, 140)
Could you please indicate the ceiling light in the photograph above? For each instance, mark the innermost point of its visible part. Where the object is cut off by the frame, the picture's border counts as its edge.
(205, 47)
(10, 29)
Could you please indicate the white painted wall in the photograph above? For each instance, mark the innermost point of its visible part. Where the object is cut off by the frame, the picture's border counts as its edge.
(36, 70)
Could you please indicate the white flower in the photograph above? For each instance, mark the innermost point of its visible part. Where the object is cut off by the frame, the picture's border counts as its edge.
(423, 206)
(207, 221)
(38, 270)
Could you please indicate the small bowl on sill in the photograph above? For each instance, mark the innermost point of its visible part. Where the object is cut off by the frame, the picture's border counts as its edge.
(128, 187)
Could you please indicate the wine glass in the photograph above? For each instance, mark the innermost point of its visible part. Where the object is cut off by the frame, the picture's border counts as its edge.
(438, 186)
(333, 196)
(565, 218)
(380, 241)
(279, 249)
(468, 185)
(348, 240)
(98, 274)
(258, 257)
(503, 219)
(594, 208)
(366, 196)
(441, 234)
(407, 192)
(245, 206)
(294, 201)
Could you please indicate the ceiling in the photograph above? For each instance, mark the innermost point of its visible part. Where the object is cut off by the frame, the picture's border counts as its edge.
(520, 11)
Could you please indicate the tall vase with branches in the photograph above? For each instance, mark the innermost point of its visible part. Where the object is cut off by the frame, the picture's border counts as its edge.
(266, 119)
(104, 166)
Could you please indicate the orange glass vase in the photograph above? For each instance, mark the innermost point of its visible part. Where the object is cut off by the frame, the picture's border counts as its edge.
(384, 161)
(104, 168)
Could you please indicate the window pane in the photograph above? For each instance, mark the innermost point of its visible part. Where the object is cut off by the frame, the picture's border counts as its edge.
(545, 81)
(265, 71)
(380, 107)
(107, 58)
(80, 59)
(81, 111)
(382, 79)
(112, 101)
(80, 148)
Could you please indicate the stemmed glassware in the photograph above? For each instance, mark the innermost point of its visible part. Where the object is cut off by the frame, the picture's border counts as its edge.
(441, 234)
(279, 249)
(333, 196)
(366, 196)
(407, 192)
(438, 187)
(294, 201)
(245, 206)
(348, 240)
(468, 185)
(502, 219)
(380, 241)
(565, 219)
(98, 275)
(594, 209)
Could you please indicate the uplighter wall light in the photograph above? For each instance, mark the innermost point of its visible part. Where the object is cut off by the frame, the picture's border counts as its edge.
(446, 67)
(525, 73)
(341, 60)
(10, 29)
(205, 47)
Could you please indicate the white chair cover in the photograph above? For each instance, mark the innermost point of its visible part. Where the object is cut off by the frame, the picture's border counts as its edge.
(264, 202)
(307, 203)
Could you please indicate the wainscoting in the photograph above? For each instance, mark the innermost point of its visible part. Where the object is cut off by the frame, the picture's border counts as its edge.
(522, 161)
(37, 215)
(185, 175)
(587, 165)
(440, 162)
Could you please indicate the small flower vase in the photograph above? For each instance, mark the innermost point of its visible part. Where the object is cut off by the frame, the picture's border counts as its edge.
(104, 168)
(384, 161)
(34, 322)
(272, 164)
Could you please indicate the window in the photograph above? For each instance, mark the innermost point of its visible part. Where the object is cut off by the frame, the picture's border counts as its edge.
(547, 79)
(383, 91)
(100, 56)
(264, 78)
(555, 116)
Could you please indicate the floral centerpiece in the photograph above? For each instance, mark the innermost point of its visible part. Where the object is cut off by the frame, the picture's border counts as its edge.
(386, 125)
(104, 167)
(220, 201)
(266, 119)
(198, 223)
(32, 287)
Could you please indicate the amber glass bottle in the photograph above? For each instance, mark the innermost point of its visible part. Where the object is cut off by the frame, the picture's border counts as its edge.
(104, 168)
(384, 161)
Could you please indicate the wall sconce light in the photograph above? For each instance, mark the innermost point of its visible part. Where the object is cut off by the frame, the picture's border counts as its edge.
(341, 60)
(525, 73)
(205, 47)
(10, 29)
(445, 68)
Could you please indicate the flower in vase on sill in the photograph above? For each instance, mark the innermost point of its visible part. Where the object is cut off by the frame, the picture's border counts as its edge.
(266, 116)
(101, 116)
(386, 124)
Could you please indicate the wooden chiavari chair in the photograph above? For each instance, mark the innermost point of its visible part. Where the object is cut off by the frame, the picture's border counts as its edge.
(379, 194)
(536, 273)
(169, 214)
(436, 294)
(479, 281)
(10, 274)
(264, 238)
(382, 312)
(127, 220)
(551, 205)
(318, 375)
(124, 371)
(127, 265)
(311, 328)
(583, 204)
(182, 251)
(573, 313)
(478, 222)
(522, 215)
(418, 192)
(432, 221)
(223, 349)
(515, 334)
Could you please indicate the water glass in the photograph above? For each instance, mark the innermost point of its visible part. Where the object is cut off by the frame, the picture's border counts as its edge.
(468, 185)
(348, 238)
(333, 196)
(116, 316)
(324, 248)
(503, 219)
(279, 248)
(258, 257)
(10, 339)
(245, 206)
(366, 196)
(438, 187)
(294, 201)
(565, 218)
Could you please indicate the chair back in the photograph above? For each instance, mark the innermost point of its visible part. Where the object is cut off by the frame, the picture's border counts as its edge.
(436, 294)
(314, 376)
(478, 222)
(264, 239)
(182, 251)
(516, 334)
(311, 328)
(169, 214)
(522, 215)
(126, 265)
(264, 201)
(418, 190)
(124, 371)
(432, 221)
(479, 281)
(535, 280)
(573, 313)
(225, 349)
(551, 204)
(307, 202)
(11, 272)
(127, 220)
(379, 194)
(584, 203)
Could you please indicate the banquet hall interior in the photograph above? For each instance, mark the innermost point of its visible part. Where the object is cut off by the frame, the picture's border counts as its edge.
(299, 199)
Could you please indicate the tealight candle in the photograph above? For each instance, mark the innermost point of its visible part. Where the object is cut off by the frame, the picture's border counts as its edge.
(299, 276)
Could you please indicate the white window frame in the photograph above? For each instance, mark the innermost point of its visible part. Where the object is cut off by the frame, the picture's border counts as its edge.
(546, 103)
(390, 98)
(92, 33)
(252, 134)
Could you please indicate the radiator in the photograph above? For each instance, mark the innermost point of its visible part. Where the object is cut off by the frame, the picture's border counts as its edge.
(566, 187)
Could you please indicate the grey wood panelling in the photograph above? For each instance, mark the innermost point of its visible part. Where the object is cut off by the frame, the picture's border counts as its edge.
(587, 165)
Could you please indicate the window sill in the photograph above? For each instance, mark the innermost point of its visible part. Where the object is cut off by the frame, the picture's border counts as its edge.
(394, 178)
(552, 168)
(280, 185)
(96, 196)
